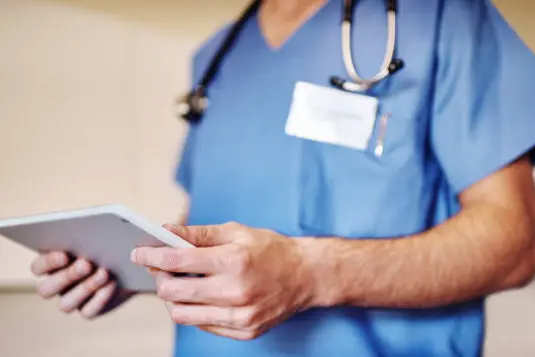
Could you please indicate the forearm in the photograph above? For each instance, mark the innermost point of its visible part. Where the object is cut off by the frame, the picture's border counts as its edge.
(481, 251)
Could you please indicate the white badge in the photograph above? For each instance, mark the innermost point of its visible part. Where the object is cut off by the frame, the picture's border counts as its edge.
(332, 116)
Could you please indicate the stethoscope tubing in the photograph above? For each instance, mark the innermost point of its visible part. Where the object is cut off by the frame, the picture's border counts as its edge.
(360, 84)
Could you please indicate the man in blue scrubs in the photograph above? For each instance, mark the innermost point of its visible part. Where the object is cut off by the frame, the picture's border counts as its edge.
(344, 251)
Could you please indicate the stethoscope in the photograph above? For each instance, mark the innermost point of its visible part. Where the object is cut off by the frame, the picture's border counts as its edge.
(192, 106)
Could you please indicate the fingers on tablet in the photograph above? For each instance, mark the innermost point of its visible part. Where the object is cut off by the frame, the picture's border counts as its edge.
(99, 301)
(49, 262)
(78, 295)
(59, 281)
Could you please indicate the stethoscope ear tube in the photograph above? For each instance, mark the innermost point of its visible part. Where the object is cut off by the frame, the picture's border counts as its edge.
(228, 43)
(389, 66)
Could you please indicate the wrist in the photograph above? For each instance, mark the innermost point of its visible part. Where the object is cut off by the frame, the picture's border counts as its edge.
(319, 282)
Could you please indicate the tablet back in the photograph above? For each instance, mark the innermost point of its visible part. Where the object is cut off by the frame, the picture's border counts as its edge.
(105, 238)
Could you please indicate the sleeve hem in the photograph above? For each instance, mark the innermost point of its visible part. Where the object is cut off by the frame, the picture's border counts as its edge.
(475, 177)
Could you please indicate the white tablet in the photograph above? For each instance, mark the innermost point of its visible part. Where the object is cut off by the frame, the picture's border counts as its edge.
(105, 235)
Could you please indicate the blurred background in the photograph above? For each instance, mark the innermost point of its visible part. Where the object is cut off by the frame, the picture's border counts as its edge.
(86, 118)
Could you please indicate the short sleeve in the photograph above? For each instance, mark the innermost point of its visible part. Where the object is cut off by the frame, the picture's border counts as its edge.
(483, 115)
(184, 168)
(183, 172)
(200, 62)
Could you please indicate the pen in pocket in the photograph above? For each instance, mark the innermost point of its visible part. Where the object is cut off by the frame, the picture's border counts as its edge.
(379, 144)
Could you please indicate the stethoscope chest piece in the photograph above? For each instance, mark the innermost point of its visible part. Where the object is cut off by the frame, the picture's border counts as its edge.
(192, 106)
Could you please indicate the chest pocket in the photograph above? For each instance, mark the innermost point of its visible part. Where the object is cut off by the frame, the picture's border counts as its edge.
(364, 193)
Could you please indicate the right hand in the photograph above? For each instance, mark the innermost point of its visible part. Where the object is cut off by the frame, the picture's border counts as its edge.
(77, 284)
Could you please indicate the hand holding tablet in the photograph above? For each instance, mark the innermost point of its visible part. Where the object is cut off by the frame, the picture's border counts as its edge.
(103, 235)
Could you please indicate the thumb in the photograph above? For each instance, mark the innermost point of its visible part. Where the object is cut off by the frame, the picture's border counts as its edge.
(199, 236)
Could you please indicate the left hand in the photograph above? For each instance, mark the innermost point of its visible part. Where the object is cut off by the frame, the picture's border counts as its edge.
(254, 279)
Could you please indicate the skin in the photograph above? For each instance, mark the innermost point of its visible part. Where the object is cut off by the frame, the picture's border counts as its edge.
(76, 281)
(78, 284)
(279, 19)
(256, 278)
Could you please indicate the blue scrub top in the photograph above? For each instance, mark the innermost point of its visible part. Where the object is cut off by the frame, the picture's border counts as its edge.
(462, 108)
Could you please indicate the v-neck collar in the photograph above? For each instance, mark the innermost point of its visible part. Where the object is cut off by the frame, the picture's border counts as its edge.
(318, 14)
